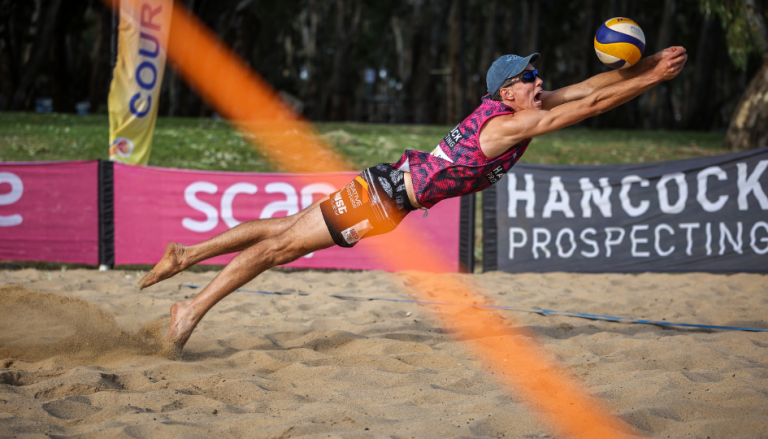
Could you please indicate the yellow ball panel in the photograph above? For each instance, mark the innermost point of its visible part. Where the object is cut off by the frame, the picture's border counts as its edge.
(618, 20)
(626, 51)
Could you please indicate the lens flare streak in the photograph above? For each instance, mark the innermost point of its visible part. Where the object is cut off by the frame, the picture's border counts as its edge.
(510, 353)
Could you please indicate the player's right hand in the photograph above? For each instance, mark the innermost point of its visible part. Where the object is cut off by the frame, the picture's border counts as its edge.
(671, 64)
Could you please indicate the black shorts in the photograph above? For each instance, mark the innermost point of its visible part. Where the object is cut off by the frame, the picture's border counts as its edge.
(373, 203)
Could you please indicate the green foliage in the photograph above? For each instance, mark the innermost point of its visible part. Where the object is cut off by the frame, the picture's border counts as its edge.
(741, 38)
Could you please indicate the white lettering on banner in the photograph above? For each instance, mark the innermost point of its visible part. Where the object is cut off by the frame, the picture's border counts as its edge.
(688, 227)
(289, 205)
(307, 192)
(212, 216)
(602, 199)
(541, 240)
(609, 242)
(541, 244)
(626, 185)
(689, 235)
(528, 195)
(571, 236)
(515, 244)
(17, 190)
(751, 184)
(558, 199)
(701, 195)
(736, 244)
(229, 197)
(753, 238)
(635, 241)
(682, 190)
(657, 240)
(595, 249)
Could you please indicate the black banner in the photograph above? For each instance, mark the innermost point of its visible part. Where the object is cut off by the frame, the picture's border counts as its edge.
(707, 214)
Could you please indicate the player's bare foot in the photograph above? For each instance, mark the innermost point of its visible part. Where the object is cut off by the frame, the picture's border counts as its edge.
(172, 263)
(183, 322)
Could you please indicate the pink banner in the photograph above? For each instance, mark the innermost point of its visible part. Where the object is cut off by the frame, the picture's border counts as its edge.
(154, 206)
(49, 212)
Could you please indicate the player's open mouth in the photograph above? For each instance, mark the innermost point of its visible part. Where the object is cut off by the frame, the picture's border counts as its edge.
(537, 98)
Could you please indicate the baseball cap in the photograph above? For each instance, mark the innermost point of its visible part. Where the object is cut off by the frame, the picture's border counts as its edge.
(506, 67)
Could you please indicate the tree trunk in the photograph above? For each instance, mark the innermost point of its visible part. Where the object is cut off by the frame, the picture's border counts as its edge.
(64, 50)
(7, 61)
(700, 109)
(40, 48)
(429, 47)
(308, 22)
(18, 18)
(749, 124)
(664, 111)
(656, 105)
(456, 102)
(346, 33)
(100, 59)
(531, 27)
(488, 49)
(403, 31)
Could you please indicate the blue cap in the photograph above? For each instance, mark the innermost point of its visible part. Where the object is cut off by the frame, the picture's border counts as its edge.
(506, 67)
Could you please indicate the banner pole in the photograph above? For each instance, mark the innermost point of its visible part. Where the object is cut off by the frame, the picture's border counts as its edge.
(106, 215)
(490, 229)
(467, 234)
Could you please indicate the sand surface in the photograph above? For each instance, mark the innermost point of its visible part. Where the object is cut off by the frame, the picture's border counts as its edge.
(81, 355)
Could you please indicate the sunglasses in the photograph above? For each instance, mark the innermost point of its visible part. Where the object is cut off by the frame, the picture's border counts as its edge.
(527, 78)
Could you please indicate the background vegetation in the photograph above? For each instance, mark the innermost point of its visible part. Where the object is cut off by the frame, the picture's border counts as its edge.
(427, 59)
(211, 144)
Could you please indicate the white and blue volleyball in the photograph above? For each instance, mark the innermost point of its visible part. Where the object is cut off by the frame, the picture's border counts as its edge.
(619, 43)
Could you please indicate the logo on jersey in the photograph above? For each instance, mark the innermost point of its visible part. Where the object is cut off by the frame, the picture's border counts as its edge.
(356, 232)
(495, 175)
(338, 204)
(453, 137)
(353, 195)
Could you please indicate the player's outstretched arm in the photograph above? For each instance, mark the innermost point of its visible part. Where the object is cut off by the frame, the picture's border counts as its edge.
(532, 123)
(551, 99)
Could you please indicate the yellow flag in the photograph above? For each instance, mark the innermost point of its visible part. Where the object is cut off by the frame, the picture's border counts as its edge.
(134, 94)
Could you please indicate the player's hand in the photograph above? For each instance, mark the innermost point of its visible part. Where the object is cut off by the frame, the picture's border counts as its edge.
(671, 62)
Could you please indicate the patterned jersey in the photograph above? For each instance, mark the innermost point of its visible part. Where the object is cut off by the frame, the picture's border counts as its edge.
(457, 166)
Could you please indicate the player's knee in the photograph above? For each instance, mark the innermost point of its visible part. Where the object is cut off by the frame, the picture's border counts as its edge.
(282, 250)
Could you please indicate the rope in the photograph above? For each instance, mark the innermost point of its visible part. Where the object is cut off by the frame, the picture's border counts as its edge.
(545, 312)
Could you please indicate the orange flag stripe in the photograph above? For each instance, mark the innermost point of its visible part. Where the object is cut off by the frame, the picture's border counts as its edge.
(513, 355)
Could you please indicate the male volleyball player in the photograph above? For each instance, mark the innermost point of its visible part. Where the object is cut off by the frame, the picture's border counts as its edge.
(473, 156)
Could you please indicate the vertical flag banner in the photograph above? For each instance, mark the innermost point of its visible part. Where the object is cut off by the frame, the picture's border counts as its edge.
(135, 91)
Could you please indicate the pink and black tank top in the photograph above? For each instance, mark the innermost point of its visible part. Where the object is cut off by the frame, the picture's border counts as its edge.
(457, 166)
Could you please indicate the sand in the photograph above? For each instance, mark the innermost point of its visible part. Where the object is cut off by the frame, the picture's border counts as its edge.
(81, 355)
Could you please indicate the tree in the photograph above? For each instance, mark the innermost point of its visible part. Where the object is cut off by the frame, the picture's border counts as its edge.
(744, 22)
(41, 44)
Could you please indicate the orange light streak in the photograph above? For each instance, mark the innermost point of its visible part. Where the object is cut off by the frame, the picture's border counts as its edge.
(229, 86)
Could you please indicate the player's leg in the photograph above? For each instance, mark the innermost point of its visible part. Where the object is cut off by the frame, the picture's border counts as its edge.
(308, 234)
(178, 258)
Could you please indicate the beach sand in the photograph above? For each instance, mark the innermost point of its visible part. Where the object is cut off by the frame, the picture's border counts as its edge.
(81, 355)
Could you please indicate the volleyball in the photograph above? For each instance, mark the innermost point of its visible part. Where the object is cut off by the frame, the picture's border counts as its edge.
(619, 43)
